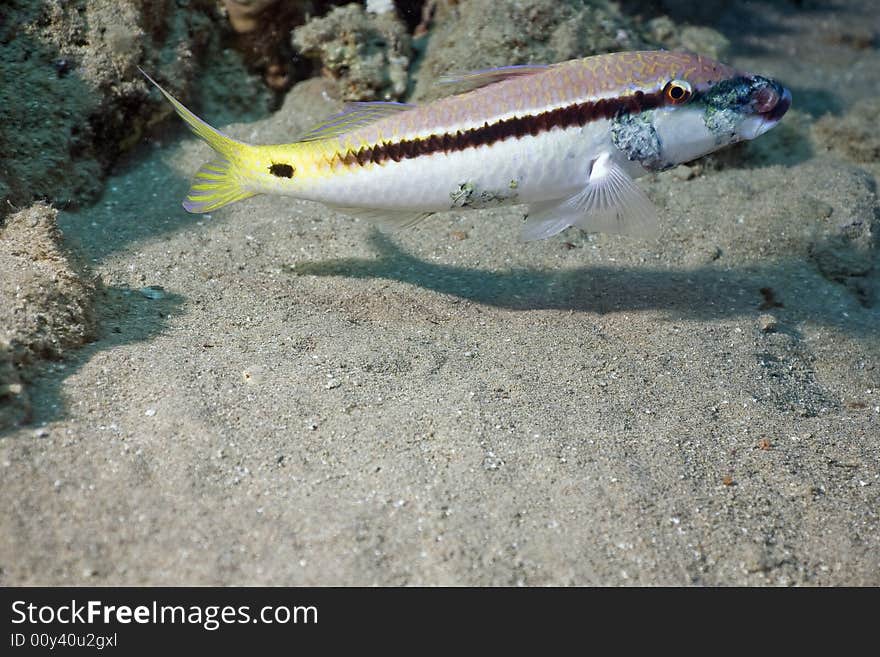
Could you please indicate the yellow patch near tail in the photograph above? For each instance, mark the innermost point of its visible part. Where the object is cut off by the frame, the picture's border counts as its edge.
(220, 181)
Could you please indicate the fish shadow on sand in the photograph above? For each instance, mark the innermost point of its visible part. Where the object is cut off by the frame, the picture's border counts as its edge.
(708, 292)
(125, 317)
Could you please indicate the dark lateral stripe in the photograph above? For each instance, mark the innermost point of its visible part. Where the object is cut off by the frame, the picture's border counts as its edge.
(513, 128)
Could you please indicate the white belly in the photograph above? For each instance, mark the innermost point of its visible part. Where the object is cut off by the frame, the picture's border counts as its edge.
(552, 165)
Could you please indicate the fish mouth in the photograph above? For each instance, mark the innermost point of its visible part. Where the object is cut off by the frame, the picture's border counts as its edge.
(779, 109)
(765, 121)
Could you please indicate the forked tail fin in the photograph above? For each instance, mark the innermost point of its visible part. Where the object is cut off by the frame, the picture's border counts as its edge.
(224, 179)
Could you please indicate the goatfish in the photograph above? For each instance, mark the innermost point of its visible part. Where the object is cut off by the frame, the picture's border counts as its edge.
(565, 139)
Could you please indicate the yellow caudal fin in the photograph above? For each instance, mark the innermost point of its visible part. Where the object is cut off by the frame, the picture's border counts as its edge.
(222, 180)
(215, 184)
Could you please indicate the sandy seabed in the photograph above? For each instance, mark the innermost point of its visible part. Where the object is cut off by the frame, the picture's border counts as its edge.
(310, 401)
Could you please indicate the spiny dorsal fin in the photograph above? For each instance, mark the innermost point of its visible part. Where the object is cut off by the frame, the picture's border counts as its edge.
(483, 77)
(355, 115)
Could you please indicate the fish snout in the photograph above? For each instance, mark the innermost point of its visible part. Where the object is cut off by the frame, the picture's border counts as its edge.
(770, 99)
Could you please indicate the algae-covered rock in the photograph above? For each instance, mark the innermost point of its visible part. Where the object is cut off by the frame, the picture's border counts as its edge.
(45, 303)
(14, 404)
(693, 38)
(71, 98)
(368, 53)
(262, 36)
(246, 15)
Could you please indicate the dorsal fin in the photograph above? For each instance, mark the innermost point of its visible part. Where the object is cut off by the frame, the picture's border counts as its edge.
(355, 115)
(486, 76)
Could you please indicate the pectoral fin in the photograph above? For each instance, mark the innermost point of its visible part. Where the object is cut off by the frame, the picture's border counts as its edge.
(611, 202)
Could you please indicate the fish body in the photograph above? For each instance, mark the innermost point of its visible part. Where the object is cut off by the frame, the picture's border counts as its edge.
(567, 139)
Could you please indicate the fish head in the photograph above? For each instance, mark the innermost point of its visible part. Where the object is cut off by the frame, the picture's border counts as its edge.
(694, 107)
(701, 116)
(752, 104)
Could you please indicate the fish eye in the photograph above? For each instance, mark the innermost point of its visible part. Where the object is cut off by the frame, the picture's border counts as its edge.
(678, 92)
